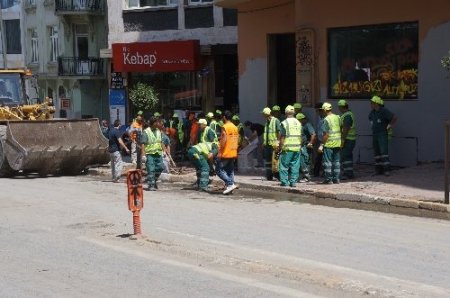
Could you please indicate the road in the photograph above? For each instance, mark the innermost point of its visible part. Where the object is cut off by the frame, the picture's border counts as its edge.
(68, 237)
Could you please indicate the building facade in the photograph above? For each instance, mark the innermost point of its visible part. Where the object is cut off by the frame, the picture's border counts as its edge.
(177, 33)
(309, 51)
(63, 39)
(12, 55)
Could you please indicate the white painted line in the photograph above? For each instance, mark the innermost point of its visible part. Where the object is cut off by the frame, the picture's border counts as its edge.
(337, 270)
(209, 272)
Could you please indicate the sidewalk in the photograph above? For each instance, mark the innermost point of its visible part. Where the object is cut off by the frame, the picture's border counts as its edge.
(419, 187)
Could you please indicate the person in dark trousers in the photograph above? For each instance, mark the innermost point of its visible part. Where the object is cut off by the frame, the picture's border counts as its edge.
(318, 155)
(382, 120)
(228, 148)
(115, 143)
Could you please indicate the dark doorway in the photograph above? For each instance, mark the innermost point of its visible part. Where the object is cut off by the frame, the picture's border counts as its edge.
(226, 84)
(281, 68)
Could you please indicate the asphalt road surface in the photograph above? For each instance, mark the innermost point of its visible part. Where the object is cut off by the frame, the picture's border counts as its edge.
(69, 237)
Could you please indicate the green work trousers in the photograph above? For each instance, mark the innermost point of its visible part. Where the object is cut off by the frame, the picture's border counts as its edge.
(289, 166)
(154, 167)
(381, 153)
(201, 168)
(347, 158)
(332, 164)
(268, 151)
(305, 162)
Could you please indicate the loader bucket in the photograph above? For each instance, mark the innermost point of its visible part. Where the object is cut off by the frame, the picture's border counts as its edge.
(55, 146)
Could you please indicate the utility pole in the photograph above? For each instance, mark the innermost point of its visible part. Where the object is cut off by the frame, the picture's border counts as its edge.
(3, 36)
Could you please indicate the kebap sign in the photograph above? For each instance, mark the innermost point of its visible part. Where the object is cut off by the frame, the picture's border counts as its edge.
(167, 56)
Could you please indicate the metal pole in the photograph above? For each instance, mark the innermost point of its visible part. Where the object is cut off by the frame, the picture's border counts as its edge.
(447, 149)
(3, 37)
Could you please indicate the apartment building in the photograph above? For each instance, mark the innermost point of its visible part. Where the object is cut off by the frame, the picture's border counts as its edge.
(62, 41)
(11, 35)
(193, 45)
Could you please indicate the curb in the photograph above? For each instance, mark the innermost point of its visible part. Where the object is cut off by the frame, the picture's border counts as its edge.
(350, 197)
(438, 209)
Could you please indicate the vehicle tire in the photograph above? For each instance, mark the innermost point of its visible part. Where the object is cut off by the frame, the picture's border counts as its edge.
(5, 169)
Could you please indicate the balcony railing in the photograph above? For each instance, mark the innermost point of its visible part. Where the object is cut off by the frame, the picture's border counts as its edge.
(75, 66)
(79, 6)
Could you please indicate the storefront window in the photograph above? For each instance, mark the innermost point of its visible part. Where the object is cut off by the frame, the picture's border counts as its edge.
(177, 90)
(373, 60)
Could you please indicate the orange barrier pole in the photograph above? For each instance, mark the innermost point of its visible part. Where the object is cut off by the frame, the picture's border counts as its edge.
(135, 198)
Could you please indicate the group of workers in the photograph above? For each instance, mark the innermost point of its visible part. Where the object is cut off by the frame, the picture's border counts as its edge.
(290, 143)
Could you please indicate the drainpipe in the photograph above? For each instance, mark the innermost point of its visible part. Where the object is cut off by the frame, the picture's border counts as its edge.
(3, 37)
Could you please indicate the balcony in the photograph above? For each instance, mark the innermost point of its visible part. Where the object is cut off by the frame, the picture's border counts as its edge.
(75, 66)
(75, 7)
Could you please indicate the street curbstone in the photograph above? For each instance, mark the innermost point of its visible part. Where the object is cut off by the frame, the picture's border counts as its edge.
(325, 194)
(404, 203)
(368, 199)
(433, 206)
(382, 200)
(352, 197)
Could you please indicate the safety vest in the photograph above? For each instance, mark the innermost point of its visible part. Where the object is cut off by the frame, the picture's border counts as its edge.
(203, 148)
(229, 150)
(241, 138)
(179, 128)
(205, 133)
(270, 132)
(293, 139)
(154, 140)
(213, 125)
(334, 133)
(351, 135)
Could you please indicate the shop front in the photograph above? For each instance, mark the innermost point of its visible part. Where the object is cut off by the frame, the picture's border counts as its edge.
(173, 68)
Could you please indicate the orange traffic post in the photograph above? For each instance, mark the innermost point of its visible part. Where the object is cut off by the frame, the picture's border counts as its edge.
(135, 198)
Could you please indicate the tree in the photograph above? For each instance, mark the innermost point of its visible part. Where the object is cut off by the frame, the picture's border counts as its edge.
(445, 62)
(144, 97)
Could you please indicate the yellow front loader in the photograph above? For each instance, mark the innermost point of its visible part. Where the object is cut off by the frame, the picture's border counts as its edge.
(31, 140)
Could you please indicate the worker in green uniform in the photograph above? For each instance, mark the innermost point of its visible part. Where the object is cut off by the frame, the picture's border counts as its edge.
(237, 122)
(297, 108)
(382, 120)
(152, 149)
(290, 143)
(348, 133)
(276, 112)
(202, 156)
(218, 117)
(270, 140)
(331, 145)
(308, 140)
(206, 133)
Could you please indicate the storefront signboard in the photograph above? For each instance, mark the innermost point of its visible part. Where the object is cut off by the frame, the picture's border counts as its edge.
(169, 56)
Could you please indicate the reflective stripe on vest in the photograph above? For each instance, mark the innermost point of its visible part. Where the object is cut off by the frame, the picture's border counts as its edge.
(270, 133)
(153, 142)
(351, 135)
(180, 132)
(203, 148)
(205, 133)
(230, 148)
(334, 133)
(293, 139)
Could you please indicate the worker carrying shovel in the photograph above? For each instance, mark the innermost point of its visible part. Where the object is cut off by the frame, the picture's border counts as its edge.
(202, 156)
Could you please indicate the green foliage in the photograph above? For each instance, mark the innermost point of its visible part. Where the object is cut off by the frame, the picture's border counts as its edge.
(144, 97)
(445, 62)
